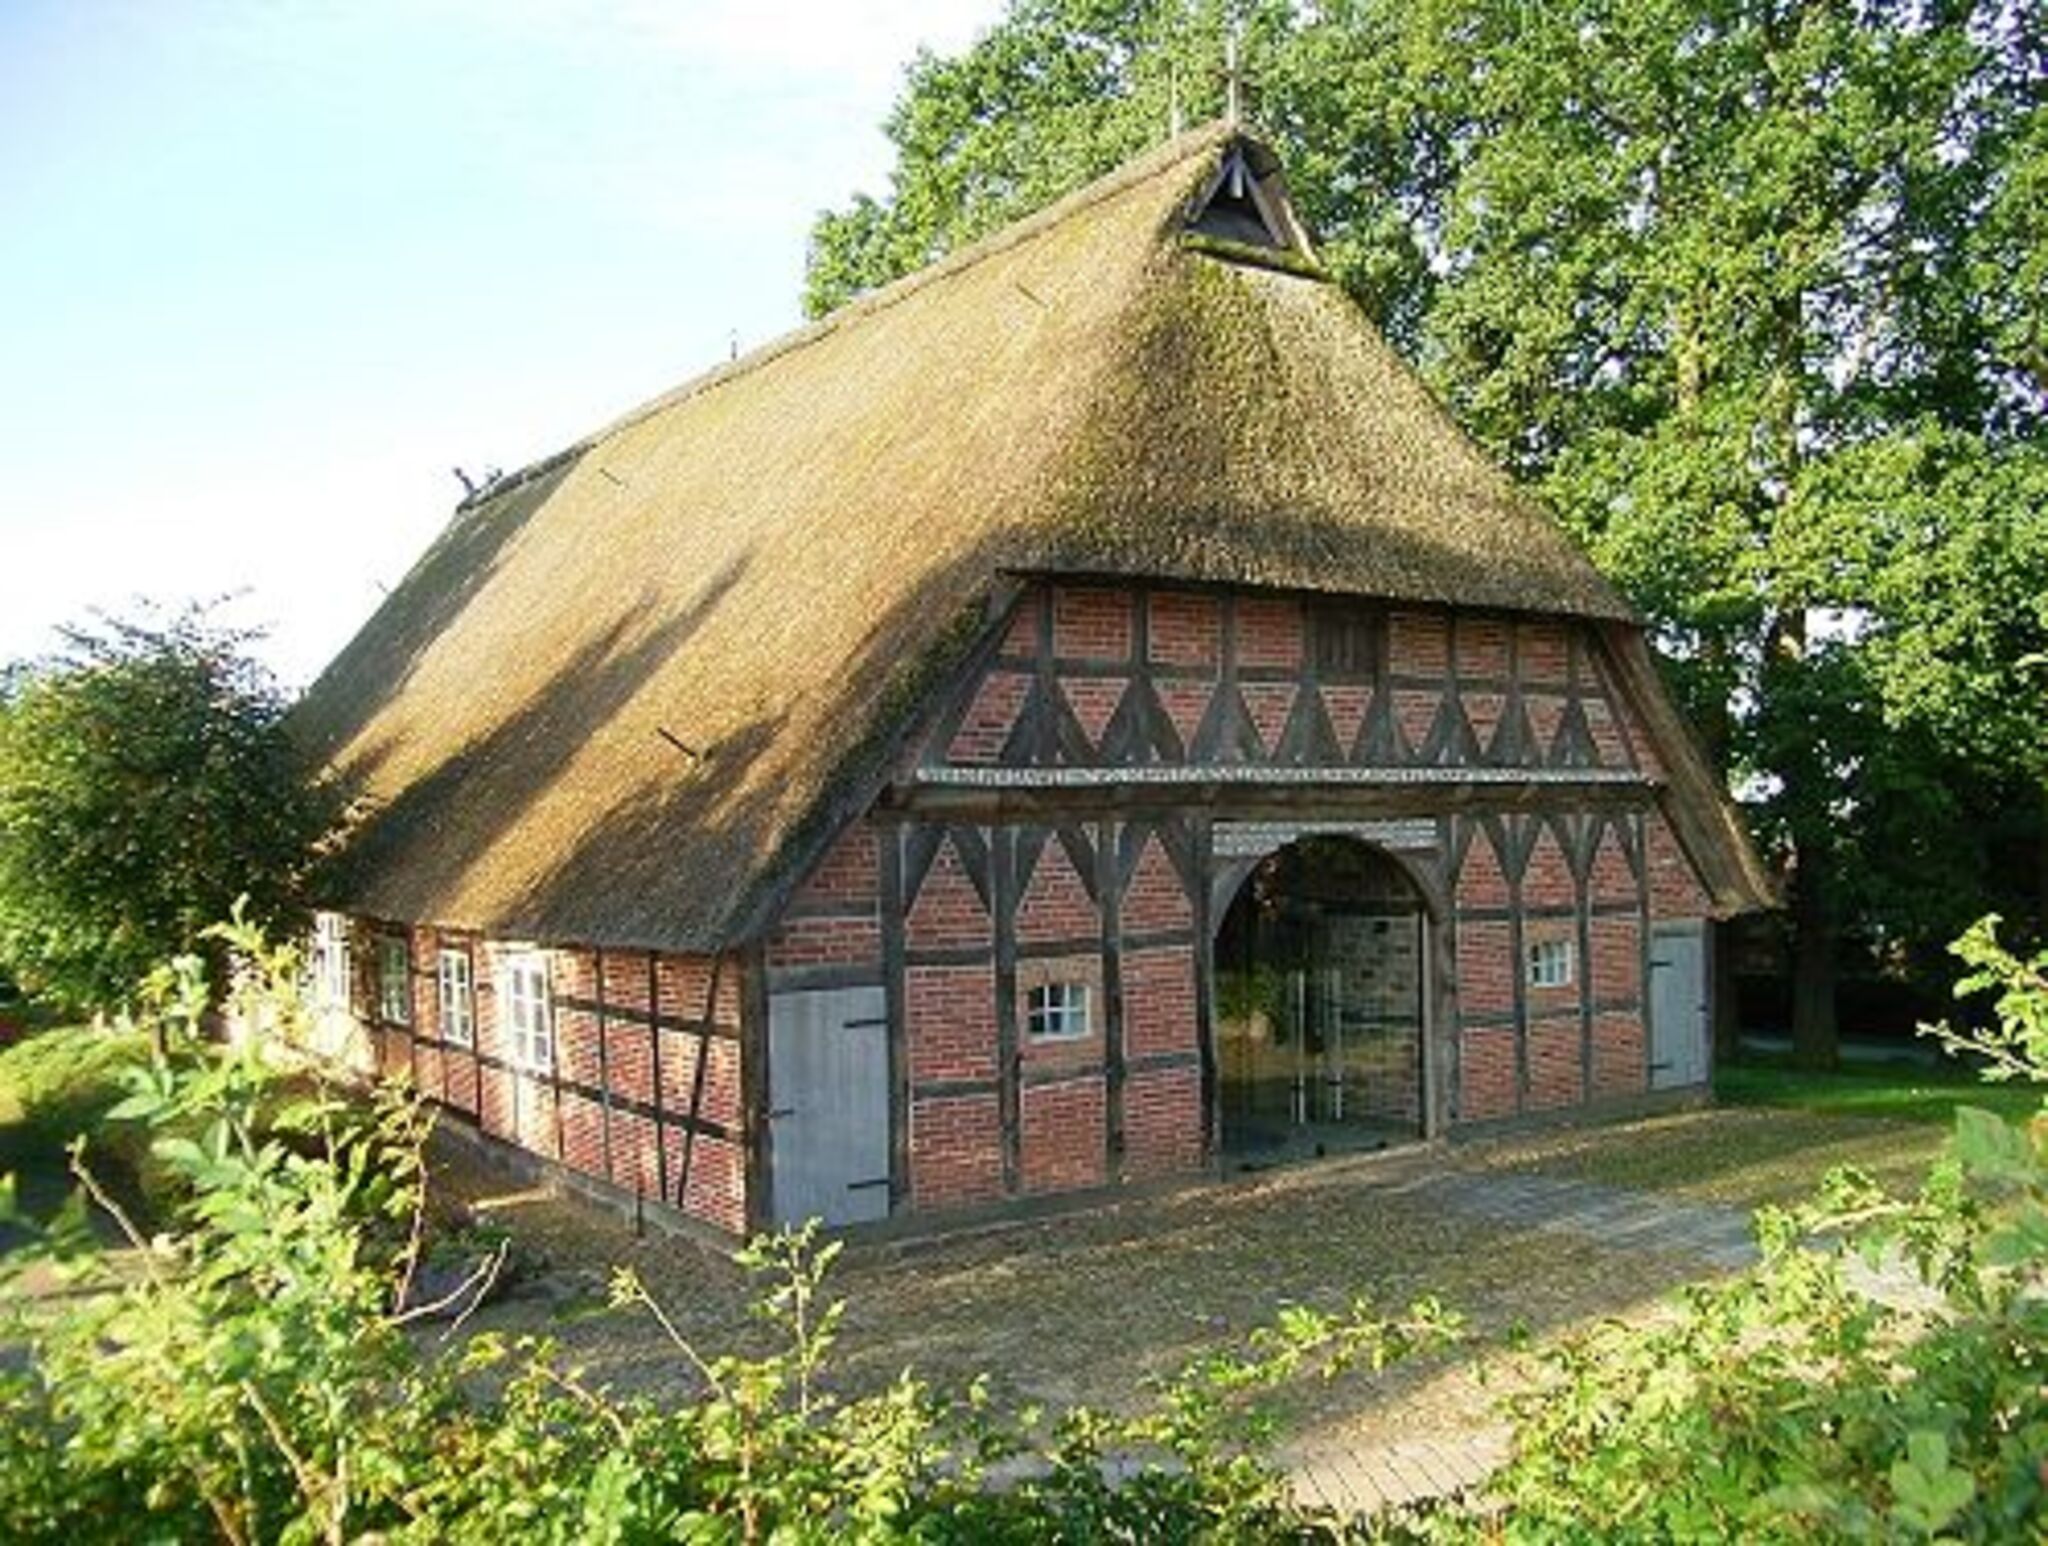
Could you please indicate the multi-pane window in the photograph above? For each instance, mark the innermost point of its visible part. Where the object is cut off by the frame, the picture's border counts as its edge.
(1550, 963)
(458, 998)
(394, 981)
(1345, 641)
(1056, 1011)
(331, 961)
(529, 1017)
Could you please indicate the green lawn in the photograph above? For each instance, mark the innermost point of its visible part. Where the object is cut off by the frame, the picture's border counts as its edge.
(54, 1085)
(1774, 1132)
(1898, 1092)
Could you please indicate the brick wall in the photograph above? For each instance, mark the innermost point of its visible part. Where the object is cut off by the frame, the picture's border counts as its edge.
(1141, 674)
(596, 1107)
(1582, 881)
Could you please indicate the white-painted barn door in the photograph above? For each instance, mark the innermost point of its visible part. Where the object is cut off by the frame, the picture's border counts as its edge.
(1678, 1005)
(828, 1105)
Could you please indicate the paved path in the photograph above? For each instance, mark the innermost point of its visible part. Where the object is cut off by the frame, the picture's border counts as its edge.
(1354, 1480)
(1622, 1220)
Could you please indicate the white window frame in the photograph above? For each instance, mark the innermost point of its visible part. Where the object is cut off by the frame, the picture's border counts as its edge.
(525, 1000)
(331, 961)
(1552, 963)
(394, 979)
(1060, 1010)
(455, 987)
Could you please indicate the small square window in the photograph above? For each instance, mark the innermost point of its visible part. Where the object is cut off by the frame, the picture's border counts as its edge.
(529, 1015)
(1550, 963)
(458, 998)
(394, 981)
(1057, 1011)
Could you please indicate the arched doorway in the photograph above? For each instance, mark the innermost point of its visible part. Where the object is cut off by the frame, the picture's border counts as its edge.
(1320, 1004)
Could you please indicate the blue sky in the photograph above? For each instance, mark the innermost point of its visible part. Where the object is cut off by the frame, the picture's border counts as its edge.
(268, 271)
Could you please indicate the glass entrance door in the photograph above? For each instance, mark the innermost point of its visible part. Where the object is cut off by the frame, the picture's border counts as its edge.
(1319, 1004)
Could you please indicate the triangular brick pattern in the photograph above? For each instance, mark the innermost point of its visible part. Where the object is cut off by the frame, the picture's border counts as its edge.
(1483, 712)
(1347, 705)
(1139, 731)
(1514, 742)
(1415, 711)
(1612, 878)
(1309, 739)
(985, 728)
(1647, 759)
(1547, 877)
(1269, 704)
(1573, 747)
(1231, 736)
(1546, 715)
(947, 910)
(1185, 704)
(1481, 880)
(1675, 890)
(1056, 905)
(1020, 639)
(1610, 748)
(1094, 701)
(1154, 898)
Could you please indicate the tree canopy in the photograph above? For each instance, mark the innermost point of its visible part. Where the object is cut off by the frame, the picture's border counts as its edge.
(146, 782)
(1751, 291)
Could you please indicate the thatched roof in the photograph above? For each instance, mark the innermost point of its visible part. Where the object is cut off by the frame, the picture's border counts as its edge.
(620, 683)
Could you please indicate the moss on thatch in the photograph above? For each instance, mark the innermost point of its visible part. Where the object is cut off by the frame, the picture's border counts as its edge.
(603, 704)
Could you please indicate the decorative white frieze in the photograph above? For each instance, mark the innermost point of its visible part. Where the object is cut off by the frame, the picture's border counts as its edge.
(1256, 839)
(1243, 773)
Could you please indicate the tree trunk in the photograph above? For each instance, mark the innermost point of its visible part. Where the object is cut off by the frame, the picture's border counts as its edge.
(2041, 874)
(1815, 1041)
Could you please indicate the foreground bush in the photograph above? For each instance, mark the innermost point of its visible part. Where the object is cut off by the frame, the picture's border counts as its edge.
(249, 1374)
(256, 1372)
(1786, 1403)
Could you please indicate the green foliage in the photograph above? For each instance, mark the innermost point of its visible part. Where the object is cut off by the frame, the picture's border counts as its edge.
(258, 1369)
(146, 782)
(1752, 294)
(60, 1082)
(1794, 1402)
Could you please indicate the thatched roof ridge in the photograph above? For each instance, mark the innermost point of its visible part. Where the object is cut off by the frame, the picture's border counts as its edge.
(627, 688)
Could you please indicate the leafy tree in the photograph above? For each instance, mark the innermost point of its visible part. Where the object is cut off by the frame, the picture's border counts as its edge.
(146, 781)
(1751, 290)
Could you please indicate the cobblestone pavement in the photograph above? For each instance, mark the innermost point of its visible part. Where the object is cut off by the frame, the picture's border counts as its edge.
(1086, 1307)
(1362, 1478)
(1616, 1217)
(1357, 1478)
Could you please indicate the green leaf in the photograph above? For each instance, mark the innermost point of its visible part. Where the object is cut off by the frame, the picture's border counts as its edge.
(1929, 1491)
(1992, 1149)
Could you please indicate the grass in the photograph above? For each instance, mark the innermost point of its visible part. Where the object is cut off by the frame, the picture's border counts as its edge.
(1895, 1092)
(1775, 1131)
(54, 1085)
